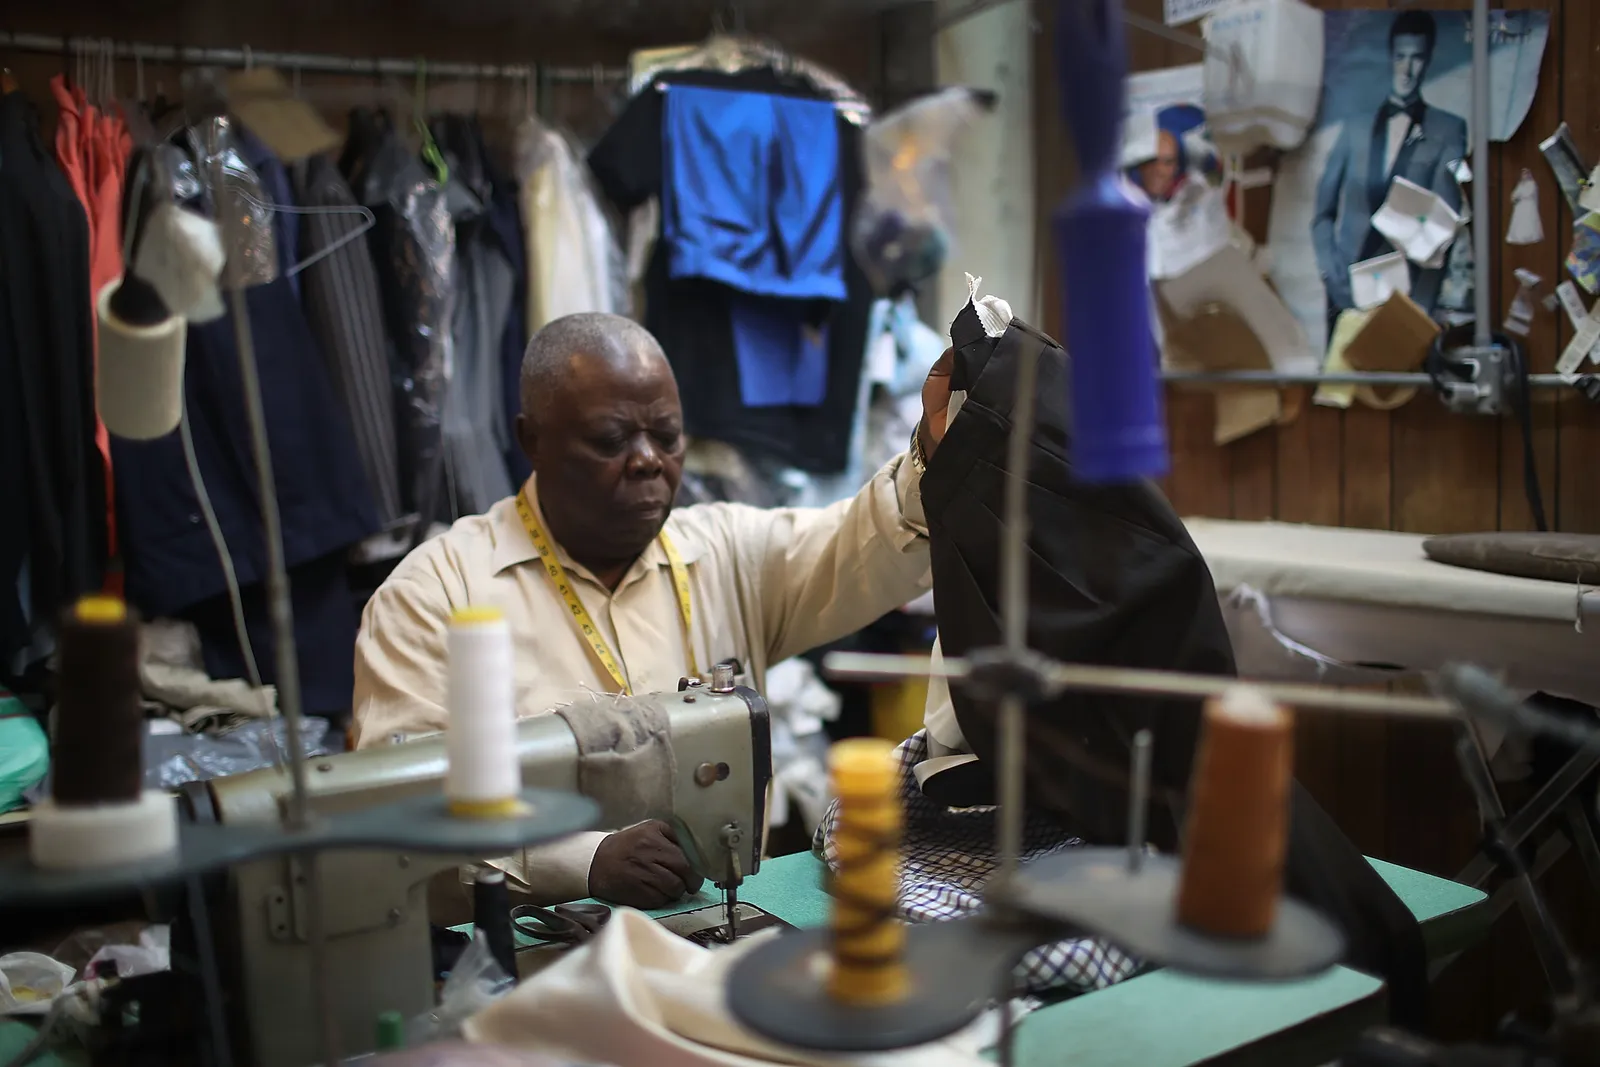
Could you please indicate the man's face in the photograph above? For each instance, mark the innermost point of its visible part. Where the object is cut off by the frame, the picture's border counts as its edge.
(608, 455)
(1408, 62)
(1159, 175)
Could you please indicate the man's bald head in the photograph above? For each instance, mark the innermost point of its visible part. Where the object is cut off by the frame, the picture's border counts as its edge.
(551, 363)
(603, 428)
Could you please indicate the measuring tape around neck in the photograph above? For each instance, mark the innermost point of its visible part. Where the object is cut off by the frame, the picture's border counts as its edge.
(580, 614)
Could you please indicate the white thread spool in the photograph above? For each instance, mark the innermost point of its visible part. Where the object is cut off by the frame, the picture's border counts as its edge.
(484, 778)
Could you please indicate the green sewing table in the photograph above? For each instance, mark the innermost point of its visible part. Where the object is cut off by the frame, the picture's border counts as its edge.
(1159, 1019)
(1162, 1019)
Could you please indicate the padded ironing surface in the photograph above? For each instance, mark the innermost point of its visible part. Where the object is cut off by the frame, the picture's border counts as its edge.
(1372, 603)
(1371, 566)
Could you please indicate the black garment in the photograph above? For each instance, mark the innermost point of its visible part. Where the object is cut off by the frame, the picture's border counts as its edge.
(345, 312)
(1114, 579)
(689, 316)
(323, 497)
(52, 478)
(413, 246)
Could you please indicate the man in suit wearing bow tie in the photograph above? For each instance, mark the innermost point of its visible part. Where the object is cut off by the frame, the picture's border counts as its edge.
(1406, 138)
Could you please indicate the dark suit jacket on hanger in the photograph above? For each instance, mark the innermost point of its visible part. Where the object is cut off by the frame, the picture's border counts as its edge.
(1114, 579)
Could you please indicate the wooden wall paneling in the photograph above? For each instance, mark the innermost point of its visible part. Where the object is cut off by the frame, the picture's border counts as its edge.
(1575, 42)
(1544, 259)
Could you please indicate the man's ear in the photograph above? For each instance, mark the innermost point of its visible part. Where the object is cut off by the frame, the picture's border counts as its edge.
(528, 438)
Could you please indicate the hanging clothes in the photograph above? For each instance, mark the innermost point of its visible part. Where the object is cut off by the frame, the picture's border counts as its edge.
(475, 431)
(692, 317)
(751, 198)
(505, 224)
(52, 475)
(1114, 580)
(321, 489)
(413, 246)
(345, 312)
(575, 263)
(92, 149)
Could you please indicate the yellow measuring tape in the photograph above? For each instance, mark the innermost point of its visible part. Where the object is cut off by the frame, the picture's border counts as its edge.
(580, 614)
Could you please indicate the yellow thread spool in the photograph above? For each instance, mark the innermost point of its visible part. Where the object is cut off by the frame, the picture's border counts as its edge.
(101, 609)
(868, 940)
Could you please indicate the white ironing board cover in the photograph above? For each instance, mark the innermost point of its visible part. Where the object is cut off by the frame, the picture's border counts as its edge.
(1283, 559)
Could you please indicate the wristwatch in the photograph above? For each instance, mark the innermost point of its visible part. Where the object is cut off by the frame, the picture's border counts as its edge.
(919, 462)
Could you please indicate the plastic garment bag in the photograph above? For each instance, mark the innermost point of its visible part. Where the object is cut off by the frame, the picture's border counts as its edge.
(413, 244)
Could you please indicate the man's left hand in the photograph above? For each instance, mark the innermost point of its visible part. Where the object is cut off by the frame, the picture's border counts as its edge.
(936, 404)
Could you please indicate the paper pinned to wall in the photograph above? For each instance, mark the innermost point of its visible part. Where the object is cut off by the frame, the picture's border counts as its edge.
(1229, 278)
(1582, 345)
(1179, 12)
(1417, 222)
(1372, 281)
(1525, 227)
(1187, 230)
(1589, 192)
(1141, 141)
(1583, 262)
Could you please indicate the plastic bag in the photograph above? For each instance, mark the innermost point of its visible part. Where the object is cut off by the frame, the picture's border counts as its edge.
(901, 233)
(29, 981)
(24, 751)
(475, 982)
(172, 760)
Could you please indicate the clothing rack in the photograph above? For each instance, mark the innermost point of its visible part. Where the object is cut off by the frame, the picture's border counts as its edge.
(308, 61)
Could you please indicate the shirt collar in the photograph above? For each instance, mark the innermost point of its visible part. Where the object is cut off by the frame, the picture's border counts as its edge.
(513, 547)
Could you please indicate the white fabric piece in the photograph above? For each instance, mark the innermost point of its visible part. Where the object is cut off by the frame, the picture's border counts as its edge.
(181, 256)
(638, 994)
(1525, 227)
(1370, 566)
(993, 313)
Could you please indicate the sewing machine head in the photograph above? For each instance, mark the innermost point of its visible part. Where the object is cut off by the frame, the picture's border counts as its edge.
(375, 909)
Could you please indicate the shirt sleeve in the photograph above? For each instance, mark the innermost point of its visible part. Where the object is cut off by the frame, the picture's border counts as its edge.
(626, 162)
(826, 572)
(400, 662)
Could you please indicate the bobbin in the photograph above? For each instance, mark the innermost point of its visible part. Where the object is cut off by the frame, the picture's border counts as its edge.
(99, 815)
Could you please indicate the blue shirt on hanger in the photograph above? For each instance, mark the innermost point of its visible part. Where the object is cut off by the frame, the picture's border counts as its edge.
(752, 198)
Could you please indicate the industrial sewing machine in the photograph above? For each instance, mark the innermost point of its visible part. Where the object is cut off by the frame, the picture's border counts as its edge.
(375, 915)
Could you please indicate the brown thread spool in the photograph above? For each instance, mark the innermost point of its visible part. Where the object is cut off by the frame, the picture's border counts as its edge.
(97, 756)
(1238, 823)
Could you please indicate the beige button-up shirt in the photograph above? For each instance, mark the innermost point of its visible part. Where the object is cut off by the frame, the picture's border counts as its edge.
(765, 584)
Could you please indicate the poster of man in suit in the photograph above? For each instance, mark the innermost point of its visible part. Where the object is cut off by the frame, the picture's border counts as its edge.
(1397, 90)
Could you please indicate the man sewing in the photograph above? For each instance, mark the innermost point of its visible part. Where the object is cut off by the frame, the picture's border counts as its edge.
(601, 424)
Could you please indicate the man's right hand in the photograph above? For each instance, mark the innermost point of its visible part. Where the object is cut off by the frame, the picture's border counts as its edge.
(642, 867)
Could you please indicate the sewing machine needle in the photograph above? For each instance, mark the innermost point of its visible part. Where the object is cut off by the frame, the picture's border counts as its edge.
(730, 901)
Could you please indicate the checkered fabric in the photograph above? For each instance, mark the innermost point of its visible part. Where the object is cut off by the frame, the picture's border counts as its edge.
(947, 855)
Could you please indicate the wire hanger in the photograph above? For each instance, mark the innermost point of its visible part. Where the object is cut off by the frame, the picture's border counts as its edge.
(368, 220)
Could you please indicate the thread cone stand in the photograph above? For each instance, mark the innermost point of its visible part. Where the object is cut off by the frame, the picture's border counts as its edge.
(780, 990)
(415, 824)
(1094, 889)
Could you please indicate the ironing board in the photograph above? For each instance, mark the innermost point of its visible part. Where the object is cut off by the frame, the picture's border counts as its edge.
(1370, 602)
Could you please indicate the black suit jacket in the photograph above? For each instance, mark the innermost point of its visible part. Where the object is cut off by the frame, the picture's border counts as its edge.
(1114, 579)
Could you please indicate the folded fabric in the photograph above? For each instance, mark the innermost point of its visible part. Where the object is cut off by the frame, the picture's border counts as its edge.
(640, 994)
(948, 855)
